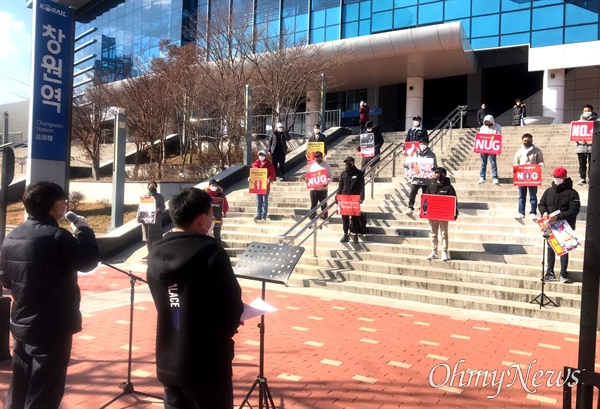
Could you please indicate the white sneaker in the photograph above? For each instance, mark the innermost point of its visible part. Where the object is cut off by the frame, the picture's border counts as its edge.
(533, 216)
(581, 182)
(520, 216)
(409, 211)
(432, 255)
(495, 181)
(481, 181)
(445, 256)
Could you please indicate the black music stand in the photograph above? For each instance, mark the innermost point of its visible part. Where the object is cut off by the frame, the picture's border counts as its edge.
(273, 263)
(542, 299)
(127, 386)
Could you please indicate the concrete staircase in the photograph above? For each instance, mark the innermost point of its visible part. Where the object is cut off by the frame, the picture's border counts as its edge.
(496, 259)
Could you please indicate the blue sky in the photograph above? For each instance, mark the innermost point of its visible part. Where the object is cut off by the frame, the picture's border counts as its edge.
(15, 50)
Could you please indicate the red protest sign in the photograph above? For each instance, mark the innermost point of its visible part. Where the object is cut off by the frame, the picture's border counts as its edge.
(438, 207)
(527, 175)
(349, 205)
(488, 143)
(411, 148)
(316, 179)
(581, 131)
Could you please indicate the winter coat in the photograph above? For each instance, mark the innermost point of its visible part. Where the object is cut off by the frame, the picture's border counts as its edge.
(352, 182)
(494, 129)
(153, 231)
(480, 115)
(584, 147)
(277, 145)
(529, 156)
(363, 114)
(271, 174)
(564, 198)
(39, 262)
(442, 188)
(519, 111)
(319, 137)
(199, 305)
(415, 134)
(219, 193)
(427, 153)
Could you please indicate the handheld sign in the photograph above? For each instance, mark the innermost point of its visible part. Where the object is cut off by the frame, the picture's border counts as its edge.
(316, 179)
(311, 148)
(411, 148)
(258, 181)
(581, 131)
(438, 207)
(527, 175)
(349, 205)
(367, 145)
(217, 206)
(146, 212)
(418, 167)
(488, 143)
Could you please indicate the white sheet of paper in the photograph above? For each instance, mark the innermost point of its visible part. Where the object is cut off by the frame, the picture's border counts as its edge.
(256, 308)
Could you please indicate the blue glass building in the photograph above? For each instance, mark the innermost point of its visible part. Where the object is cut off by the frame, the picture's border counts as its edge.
(412, 56)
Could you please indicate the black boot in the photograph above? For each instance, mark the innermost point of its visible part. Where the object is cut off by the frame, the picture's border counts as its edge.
(344, 239)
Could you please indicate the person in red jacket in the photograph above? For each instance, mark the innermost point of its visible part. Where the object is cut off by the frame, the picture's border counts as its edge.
(262, 201)
(216, 191)
(363, 116)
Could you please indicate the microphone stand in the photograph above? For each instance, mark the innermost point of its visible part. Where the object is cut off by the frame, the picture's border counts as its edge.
(542, 299)
(127, 386)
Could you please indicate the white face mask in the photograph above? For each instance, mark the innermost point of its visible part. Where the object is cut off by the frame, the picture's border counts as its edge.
(262, 158)
(558, 181)
(416, 124)
(211, 230)
(316, 130)
(63, 212)
(213, 188)
(587, 114)
(423, 146)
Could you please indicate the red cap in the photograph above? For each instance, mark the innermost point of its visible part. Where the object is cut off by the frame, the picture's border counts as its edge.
(559, 173)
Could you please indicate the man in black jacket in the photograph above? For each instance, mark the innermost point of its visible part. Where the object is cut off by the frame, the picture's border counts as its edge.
(378, 143)
(417, 132)
(277, 147)
(352, 182)
(559, 202)
(440, 186)
(318, 136)
(39, 262)
(198, 301)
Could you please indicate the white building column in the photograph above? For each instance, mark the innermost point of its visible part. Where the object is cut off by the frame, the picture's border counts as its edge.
(414, 99)
(313, 104)
(553, 95)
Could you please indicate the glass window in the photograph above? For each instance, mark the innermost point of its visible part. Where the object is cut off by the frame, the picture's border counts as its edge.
(540, 3)
(485, 7)
(515, 22)
(406, 17)
(382, 5)
(548, 17)
(578, 15)
(365, 9)
(488, 42)
(350, 30)
(381, 21)
(332, 16)
(289, 24)
(317, 35)
(508, 5)
(332, 33)
(364, 27)
(547, 37)
(350, 13)
(318, 18)
(581, 33)
(456, 9)
(484, 26)
(431, 13)
(514, 39)
(302, 22)
(404, 3)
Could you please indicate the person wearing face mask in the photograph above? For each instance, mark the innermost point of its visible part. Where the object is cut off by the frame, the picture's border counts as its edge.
(318, 194)
(417, 183)
(528, 154)
(198, 303)
(277, 146)
(561, 198)
(417, 132)
(519, 112)
(352, 182)
(38, 263)
(262, 201)
(214, 190)
(377, 144)
(489, 127)
(481, 114)
(440, 186)
(152, 232)
(363, 116)
(584, 149)
(318, 136)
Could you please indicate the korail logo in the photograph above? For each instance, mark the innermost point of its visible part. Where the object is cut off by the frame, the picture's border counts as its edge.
(48, 8)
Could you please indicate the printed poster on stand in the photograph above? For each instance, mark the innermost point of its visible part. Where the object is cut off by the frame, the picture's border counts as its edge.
(527, 175)
(146, 212)
(367, 145)
(311, 148)
(349, 205)
(488, 144)
(438, 207)
(562, 237)
(258, 181)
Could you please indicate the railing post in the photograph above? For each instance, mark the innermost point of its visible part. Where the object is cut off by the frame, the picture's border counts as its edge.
(394, 164)
(315, 239)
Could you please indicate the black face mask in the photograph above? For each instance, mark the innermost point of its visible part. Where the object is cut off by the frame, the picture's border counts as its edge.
(349, 165)
(528, 145)
(440, 178)
(152, 190)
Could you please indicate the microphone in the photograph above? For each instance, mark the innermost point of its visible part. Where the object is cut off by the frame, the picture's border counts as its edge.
(71, 217)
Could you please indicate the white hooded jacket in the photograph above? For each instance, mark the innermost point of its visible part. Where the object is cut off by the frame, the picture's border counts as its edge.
(494, 129)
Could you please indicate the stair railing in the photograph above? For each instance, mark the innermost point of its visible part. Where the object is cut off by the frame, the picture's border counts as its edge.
(454, 119)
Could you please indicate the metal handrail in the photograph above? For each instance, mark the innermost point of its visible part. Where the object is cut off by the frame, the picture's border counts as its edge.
(446, 125)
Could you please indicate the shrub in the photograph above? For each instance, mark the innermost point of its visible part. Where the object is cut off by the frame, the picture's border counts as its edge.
(75, 199)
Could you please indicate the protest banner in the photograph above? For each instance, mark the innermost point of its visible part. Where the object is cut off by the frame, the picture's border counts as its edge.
(527, 175)
(349, 205)
(418, 167)
(367, 145)
(258, 181)
(562, 238)
(438, 207)
(311, 148)
(581, 131)
(488, 143)
(411, 148)
(146, 212)
(217, 206)
(316, 179)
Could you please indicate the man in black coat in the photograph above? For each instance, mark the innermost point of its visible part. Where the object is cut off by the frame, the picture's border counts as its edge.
(277, 147)
(318, 136)
(378, 143)
(417, 132)
(352, 182)
(39, 262)
(559, 202)
(440, 186)
(481, 114)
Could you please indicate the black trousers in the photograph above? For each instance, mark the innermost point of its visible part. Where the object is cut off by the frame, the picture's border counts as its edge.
(207, 395)
(278, 160)
(414, 189)
(39, 374)
(584, 164)
(350, 223)
(317, 196)
(564, 262)
(217, 233)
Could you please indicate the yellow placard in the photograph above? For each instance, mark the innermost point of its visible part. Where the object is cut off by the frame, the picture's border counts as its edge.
(258, 180)
(311, 148)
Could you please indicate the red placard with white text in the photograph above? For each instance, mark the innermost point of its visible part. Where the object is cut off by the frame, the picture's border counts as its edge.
(349, 205)
(438, 207)
(527, 175)
(581, 131)
(258, 181)
(411, 148)
(316, 179)
(488, 143)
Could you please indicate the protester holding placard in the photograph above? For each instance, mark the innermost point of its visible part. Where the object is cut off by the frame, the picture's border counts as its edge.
(417, 182)
(440, 186)
(262, 200)
(352, 182)
(583, 149)
(219, 205)
(377, 144)
(559, 202)
(318, 136)
(528, 154)
(489, 127)
(152, 231)
(320, 172)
